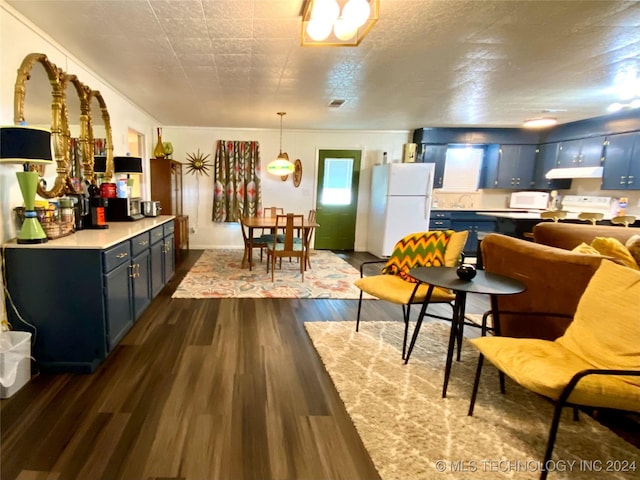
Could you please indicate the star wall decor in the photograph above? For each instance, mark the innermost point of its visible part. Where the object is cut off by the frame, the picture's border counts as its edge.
(198, 163)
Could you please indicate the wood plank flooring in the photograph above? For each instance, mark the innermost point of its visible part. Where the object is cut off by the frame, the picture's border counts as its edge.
(198, 389)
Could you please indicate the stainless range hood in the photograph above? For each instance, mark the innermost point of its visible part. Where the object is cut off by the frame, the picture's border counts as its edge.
(577, 172)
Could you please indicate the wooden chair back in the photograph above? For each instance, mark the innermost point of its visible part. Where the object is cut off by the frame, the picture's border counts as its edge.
(272, 211)
(285, 246)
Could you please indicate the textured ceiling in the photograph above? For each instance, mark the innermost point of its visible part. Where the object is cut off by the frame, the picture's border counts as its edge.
(235, 63)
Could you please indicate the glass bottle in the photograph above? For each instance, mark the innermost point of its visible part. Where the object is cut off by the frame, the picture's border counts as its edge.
(159, 152)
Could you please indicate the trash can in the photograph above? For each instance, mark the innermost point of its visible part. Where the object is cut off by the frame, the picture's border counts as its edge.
(15, 361)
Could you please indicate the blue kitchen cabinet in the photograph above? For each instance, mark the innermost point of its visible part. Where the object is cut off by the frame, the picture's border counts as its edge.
(169, 263)
(510, 167)
(119, 303)
(622, 162)
(546, 159)
(436, 154)
(157, 259)
(141, 273)
(459, 220)
(585, 152)
(88, 300)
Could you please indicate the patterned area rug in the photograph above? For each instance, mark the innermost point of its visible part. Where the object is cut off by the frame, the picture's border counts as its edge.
(411, 432)
(217, 274)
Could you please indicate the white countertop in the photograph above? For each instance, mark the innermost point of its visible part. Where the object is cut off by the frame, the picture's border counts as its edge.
(99, 238)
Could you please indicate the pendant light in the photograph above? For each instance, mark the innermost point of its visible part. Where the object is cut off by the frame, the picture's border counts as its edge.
(281, 166)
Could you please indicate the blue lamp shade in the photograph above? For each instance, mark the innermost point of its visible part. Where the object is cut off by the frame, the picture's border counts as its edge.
(99, 164)
(20, 144)
(127, 164)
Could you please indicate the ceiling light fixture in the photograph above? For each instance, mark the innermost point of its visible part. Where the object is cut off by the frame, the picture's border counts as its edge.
(616, 107)
(337, 23)
(281, 166)
(543, 122)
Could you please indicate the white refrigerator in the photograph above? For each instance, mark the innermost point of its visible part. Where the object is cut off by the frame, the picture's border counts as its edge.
(400, 204)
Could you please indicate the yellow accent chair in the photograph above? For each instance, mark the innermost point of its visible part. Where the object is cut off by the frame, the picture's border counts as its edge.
(398, 288)
(595, 364)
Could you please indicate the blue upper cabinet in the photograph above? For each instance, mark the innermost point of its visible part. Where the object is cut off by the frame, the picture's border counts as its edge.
(622, 162)
(586, 152)
(513, 168)
(546, 159)
(437, 154)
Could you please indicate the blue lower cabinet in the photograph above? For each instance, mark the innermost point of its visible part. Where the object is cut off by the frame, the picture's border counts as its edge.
(83, 301)
(119, 304)
(459, 220)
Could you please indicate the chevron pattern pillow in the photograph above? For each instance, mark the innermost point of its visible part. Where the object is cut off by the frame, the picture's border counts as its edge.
(421, 249)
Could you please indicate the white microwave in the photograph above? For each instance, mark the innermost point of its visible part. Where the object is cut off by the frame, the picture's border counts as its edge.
(529, 200)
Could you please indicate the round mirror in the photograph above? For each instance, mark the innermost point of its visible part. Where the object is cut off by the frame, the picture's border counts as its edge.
(42, 107)
(100, 138)
(76, 137)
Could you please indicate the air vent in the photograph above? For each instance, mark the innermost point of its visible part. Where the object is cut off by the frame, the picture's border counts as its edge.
(337, 103)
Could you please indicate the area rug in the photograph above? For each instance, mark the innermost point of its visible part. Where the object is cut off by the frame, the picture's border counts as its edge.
(411, 432)
(217, 274)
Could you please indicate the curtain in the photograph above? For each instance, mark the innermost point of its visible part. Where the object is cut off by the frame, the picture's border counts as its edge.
(237, 184)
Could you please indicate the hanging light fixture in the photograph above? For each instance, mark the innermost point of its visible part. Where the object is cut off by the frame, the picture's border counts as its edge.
(338, 23)
(281, 166)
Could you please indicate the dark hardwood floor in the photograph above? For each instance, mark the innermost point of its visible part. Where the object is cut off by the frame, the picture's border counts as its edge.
(198, 389)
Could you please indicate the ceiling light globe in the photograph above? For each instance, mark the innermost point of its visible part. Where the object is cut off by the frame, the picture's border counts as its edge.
(357, 11)
(318, 29)
(327, 10)
(614, 107)
(345, 29)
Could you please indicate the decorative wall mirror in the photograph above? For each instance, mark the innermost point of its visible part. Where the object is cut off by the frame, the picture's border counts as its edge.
(60, 102)
(99, 133)
(75, 120)
(42, 107)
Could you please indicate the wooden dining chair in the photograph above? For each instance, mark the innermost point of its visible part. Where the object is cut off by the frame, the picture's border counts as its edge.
(311, 219)
(286, 247)
(270, 212)
(258, 242)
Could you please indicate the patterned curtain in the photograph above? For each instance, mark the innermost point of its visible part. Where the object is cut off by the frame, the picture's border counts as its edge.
(237, 180)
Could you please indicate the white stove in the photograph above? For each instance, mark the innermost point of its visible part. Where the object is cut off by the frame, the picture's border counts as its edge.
(584, 203)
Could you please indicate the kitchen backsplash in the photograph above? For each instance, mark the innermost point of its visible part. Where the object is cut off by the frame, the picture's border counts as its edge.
(499, 199)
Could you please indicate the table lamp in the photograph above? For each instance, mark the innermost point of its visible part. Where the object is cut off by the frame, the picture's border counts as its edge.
(128, 166)
(25, 145)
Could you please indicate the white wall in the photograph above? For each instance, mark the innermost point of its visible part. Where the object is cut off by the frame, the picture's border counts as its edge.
(302, 144)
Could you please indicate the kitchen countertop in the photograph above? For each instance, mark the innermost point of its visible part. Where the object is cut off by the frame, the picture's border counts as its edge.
(99, 238)
(531, 215)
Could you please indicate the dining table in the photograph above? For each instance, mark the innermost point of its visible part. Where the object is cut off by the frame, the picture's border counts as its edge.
(269, 223)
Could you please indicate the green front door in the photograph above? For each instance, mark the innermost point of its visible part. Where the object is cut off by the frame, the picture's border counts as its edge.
(337, 201)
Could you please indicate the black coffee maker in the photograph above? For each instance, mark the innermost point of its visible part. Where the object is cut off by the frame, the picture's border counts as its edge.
(80, 209)
(95, 215)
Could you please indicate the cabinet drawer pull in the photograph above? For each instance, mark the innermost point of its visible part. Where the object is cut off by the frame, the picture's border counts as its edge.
(143, 243)
(122, 255)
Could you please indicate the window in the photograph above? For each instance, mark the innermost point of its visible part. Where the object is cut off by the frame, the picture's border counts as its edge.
(336, 184)
(462, 168)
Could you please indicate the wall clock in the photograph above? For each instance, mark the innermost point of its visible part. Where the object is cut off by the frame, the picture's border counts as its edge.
(297, 173)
